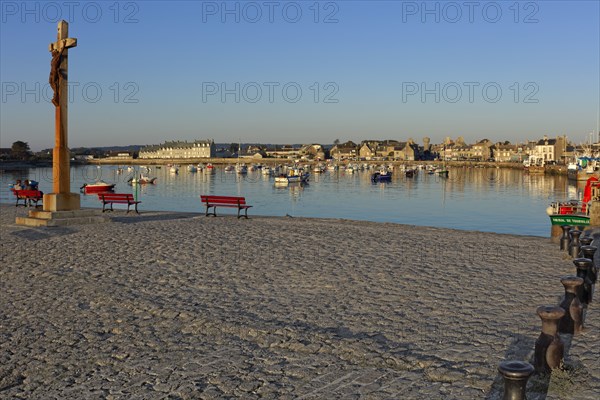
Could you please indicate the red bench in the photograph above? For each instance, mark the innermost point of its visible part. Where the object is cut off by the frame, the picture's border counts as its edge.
(28, 197)
(225, 201)
(118, 198)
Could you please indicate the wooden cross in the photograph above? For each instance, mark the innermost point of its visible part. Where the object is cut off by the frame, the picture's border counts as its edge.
(63, 199)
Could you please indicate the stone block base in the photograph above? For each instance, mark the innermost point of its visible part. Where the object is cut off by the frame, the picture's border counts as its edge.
(555, 233)
(61, 201)
(62, 218)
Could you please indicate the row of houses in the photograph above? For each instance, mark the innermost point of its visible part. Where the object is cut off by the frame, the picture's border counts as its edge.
(179, 150)
(546, 149)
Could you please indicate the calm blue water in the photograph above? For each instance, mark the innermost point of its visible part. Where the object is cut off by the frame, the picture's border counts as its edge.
(491, 200)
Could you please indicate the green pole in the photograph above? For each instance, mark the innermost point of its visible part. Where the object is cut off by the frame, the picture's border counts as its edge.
(136, 188)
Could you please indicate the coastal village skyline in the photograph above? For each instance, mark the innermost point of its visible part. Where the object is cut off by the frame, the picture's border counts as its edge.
(548, 149)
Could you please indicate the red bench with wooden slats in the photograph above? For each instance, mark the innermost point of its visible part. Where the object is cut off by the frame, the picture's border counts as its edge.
(118, 198)
(225, 201)
(28, 197)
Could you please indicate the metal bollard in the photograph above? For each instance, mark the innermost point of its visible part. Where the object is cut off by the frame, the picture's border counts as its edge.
(586, 241)
(575, 245)
(565, 239)
(516, 374)
(585, 291)
(589, 252)
(549, 349)
(572, 321)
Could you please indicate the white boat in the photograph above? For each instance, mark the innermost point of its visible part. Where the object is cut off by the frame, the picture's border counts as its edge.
(582, 169)
(142, 180)
(266, 170)
(229, 168)
(293, 175)
(241, 169)
(174, 169)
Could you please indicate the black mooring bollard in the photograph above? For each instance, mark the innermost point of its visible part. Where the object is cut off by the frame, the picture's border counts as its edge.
(565, 239)
(585, 291)
(589, 252)
(586, 241)
(549, 349)
(572, 321)
(575, 245)
(516, 374)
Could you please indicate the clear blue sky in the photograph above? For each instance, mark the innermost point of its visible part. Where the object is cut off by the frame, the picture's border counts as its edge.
(161, 68)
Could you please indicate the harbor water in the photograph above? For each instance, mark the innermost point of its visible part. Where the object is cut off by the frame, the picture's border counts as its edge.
(480, 199)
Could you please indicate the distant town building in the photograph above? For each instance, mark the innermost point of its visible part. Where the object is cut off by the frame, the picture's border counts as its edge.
(344, 151)
(312, 152)
(386, 148)
(285, 151)
(550, 150)
(179, 149)
(408, 151)
(367, 150)
(507, 153)
(482, 150)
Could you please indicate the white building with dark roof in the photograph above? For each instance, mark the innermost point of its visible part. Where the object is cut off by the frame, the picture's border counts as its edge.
(179, 149)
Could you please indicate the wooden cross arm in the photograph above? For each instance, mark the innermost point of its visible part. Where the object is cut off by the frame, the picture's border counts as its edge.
(63, 43)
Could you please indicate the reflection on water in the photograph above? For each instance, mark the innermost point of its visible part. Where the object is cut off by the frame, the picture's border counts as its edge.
(485, 199)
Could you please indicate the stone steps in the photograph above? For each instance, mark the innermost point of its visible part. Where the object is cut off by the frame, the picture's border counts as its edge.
(62, 218)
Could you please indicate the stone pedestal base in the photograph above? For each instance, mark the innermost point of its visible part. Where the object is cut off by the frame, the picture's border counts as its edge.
(595, 214)
(62, 218)
(61, 201)
(555, 233)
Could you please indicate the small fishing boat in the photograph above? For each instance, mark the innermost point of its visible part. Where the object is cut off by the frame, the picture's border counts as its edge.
(98, 187)
(241, 169)
(534, 165)
(174, 170)
(574, 212)
(443, 172)
(266, 170)
(383, 175)
(582, 169)
(293, 175)
(192, 168)
(142, 180)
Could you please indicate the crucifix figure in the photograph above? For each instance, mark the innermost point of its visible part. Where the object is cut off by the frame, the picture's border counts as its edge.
(61, 199)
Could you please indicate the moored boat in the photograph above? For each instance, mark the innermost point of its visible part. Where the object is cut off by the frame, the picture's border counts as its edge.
(443, 172)
(582, 169)
(383, 175)
(97, 187)
(534, 165)
(293, 175)
(142, 180)
(573, 212)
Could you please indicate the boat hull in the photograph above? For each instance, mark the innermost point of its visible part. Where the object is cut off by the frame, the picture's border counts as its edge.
(98, 188)
(569, 219)
(579, 175)
(377, 177)
(292, 179)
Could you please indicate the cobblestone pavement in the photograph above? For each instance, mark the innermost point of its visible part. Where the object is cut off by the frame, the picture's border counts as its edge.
(179, 306)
